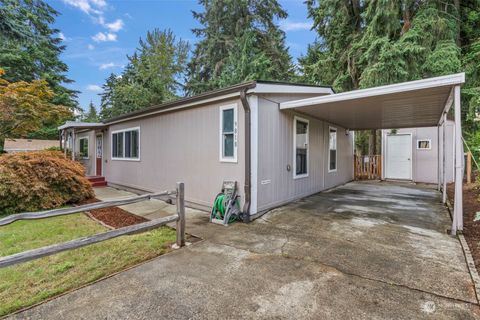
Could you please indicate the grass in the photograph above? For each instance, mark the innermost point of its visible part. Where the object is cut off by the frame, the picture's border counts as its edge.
(28, 283)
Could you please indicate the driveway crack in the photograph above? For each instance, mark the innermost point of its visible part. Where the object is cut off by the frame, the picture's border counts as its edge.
(382, 281)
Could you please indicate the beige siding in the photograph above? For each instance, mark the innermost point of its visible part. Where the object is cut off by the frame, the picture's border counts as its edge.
(276, 185)
(180, 146)
(89, 163)
(344, 172)
(425, 162)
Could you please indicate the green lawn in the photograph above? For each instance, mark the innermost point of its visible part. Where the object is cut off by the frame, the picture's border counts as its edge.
(28, 283)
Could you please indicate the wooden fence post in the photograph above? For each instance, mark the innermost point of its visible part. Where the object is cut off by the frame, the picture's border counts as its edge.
(181, 214)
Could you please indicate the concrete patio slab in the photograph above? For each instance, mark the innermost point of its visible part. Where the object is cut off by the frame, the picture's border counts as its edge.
(360, 251)
(151, 209)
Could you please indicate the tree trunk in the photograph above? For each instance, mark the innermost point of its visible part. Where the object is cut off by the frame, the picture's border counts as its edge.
(459, 16)
(406, 20)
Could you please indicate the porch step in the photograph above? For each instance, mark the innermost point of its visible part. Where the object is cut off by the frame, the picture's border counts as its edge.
(95, 178)
(97, 181)
(99, 184)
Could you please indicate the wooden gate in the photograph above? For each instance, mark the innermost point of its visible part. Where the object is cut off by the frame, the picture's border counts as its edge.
(368, 167)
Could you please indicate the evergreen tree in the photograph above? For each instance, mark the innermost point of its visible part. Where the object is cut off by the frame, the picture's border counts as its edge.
(91, 115)
(152, 76)
(107, 97)
(30, 50)
(371, 43)
(222, 56)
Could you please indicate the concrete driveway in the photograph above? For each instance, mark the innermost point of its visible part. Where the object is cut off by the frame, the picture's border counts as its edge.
(360, 251)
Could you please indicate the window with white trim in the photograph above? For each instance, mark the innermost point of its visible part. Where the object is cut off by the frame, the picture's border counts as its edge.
(228, 133)
(126, 144)
(300, 142)
(424, 144)
(332, 149)
(83, 147)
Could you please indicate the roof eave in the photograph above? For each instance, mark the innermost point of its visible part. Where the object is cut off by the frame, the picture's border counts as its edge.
(186, 102)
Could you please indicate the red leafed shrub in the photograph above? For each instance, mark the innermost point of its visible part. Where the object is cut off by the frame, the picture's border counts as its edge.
(32, 181)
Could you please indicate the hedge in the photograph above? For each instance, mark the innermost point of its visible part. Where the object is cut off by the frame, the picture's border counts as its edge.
(40, 180)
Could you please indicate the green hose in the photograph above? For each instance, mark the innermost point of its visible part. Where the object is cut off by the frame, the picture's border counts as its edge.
(218, 210)
(219, 206)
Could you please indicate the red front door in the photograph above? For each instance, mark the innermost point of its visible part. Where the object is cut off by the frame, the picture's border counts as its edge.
(99, 155)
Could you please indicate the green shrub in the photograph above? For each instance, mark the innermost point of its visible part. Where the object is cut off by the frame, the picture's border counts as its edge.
(31, 181)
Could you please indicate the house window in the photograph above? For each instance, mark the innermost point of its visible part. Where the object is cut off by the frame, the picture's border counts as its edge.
(126, 144)
(424, 144)
(300, 142)
(83, 147)
(228, 133)
(332, 150)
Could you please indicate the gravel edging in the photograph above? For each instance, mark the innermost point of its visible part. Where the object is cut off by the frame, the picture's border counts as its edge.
(468, 257)
(471, 266)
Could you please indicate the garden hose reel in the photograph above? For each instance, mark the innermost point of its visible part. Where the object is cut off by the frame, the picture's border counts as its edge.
(226, 207)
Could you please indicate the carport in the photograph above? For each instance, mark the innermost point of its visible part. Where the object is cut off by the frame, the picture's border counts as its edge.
(421, 103)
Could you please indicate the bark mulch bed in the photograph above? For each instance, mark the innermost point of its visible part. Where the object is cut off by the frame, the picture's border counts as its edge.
(471, 205)
(114, 217)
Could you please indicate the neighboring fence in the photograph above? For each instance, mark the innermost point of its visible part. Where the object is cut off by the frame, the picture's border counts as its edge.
(368, 167)
(81, 242)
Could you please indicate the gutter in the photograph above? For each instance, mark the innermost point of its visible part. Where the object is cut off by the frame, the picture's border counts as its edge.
(248, 152)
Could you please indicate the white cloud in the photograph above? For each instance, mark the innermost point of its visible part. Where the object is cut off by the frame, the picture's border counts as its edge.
(96, 10)
(88, 6)
(94, 88)
(61, 36)
(115, 26)
(108, 65)
(287, 25)
(90, 46)
(103, 37)
(99, 3)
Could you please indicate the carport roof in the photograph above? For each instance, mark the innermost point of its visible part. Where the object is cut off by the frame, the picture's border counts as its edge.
(410, 104)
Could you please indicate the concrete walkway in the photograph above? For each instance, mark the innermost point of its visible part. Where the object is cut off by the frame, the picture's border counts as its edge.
(360, 251)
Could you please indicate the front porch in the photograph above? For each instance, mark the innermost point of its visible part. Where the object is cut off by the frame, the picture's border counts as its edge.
(84, 142)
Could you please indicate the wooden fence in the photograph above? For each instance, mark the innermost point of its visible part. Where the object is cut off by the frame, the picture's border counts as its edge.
(368, 167)
(179, 217)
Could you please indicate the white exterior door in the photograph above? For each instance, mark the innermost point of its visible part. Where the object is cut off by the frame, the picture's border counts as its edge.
(399, 157)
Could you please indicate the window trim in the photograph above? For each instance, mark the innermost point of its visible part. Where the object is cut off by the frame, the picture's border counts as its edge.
(429, 144)
(304, 175)
(235, 133)
(336, 149)
(80, 147)
(111, 144)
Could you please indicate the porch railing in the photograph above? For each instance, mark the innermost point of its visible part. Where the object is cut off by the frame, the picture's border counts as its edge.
(368, 167)
(179, 218)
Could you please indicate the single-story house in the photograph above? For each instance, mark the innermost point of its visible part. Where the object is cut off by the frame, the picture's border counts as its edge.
(279, 141)
(23, 145)
(222, 135)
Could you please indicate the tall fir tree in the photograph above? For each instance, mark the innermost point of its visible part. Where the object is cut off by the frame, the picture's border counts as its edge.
(370, 43)
(30, 50)
(222, 57)
(91, 115)
(153, 75)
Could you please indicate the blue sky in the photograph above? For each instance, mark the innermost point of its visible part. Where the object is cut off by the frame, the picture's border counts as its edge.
(99, 34)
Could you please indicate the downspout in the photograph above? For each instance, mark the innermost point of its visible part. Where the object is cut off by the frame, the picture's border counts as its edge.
(248, 152)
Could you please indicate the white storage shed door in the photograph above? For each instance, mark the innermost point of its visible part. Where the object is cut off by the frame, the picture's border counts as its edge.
(399, 157)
